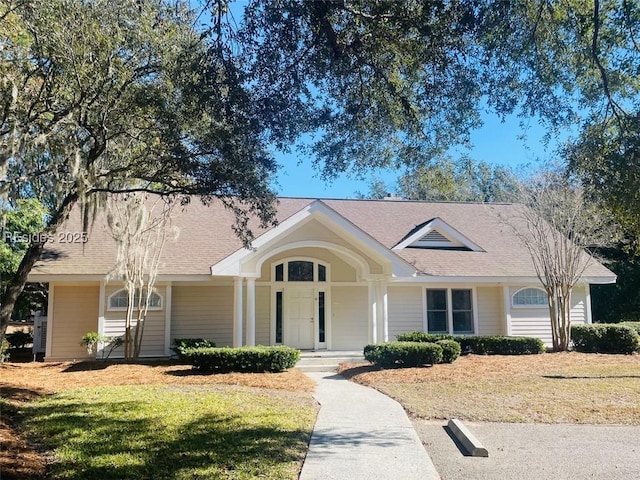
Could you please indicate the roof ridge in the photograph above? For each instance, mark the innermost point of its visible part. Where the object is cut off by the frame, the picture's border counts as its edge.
(382, 200)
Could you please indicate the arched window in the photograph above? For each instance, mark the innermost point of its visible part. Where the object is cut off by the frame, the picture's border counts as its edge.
(120, 299)
(530, 297)
(300, 271)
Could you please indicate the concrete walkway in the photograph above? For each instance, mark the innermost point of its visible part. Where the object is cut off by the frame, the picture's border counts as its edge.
(362, 434)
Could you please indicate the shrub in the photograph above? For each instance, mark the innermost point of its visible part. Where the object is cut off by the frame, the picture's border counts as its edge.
(20, 338)
(403, 354)
(482, 345)
(450, 350)
(90, 341)
(605, 338)
(634, 325)
(245, 359)
(499, 345)
(180, 344)
(423, 337)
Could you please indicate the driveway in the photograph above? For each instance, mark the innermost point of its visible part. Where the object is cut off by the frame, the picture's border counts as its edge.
(535, 451)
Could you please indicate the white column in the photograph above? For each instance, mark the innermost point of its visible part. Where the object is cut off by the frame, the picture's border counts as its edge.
(50, 314)
(588, 319)
(101, 309)
(385, 311)
(167, 319)
(251, 312)
(237, 311)
(507, 308)
(373, 313)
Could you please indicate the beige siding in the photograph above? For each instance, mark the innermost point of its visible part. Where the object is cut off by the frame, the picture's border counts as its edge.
(579, 305)
(405, 305)
(530, 322)
(153, 335)
(263, 315)
(339, 270)
(203, 312)
(75, 312)
(491, 316)
(349, 320)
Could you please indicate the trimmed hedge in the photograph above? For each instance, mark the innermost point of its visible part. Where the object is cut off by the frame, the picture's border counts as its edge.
(450, 350)
(482, 345)
(403, 354)
(180, 344)
(244, 359)
(605, 338)
(634, 325)
(502, 345)
(423, 337)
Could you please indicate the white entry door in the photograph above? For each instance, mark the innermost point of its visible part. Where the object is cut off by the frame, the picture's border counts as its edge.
(300, 326)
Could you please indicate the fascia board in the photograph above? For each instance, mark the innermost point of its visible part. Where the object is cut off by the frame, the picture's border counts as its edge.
(231, 265)
(429, 279)
(365, 242)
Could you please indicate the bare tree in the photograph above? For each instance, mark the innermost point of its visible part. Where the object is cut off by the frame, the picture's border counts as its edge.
(140, 226)
(559, 225)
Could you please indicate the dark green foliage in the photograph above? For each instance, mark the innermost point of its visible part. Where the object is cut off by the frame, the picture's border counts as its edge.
(634, 325)
(498, 345)
(463, 180)
(20, 338)
(618, 302)
(403, 354)
(246, 359)
(605, 338)
(180, 344)
(450, 350)
(423, 337)
(482, 345)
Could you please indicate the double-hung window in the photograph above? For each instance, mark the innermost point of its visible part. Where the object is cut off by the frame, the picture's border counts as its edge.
(450, 310)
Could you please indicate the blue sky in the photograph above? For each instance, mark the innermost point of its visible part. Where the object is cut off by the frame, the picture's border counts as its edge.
(496, 142)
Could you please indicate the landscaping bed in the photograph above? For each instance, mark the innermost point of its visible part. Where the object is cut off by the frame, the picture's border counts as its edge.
(548, 388)
(153, 420)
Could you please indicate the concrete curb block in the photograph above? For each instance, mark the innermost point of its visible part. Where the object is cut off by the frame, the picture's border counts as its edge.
(467, 439)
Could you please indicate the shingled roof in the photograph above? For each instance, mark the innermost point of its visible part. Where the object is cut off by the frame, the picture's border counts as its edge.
(206, 237)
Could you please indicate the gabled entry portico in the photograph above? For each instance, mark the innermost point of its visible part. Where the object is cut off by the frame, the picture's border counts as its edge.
(328, 278)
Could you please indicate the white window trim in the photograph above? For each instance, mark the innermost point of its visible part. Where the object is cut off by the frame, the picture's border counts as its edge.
(474, 313)
(135, 309)
(285, 271)
(529, 306)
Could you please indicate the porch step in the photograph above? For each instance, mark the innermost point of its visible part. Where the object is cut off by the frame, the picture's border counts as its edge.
(326, 361)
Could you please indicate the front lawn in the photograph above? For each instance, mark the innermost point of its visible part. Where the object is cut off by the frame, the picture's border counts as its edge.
(178, 425)
(548, 388)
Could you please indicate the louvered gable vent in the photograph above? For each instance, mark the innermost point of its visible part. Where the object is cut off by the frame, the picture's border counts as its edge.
(434, 236)
(437, 234)
(436, 239)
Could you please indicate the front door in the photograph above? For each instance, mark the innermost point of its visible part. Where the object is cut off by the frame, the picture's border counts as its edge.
(300, 318)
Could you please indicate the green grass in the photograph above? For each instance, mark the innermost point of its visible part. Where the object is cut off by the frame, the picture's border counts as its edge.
(165, 432)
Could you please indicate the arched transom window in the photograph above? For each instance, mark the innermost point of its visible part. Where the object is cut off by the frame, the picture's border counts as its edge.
(530, 297)
(300, 271)
(120, 299)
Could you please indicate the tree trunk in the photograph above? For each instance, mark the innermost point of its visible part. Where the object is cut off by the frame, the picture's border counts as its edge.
(565, 325)
(553, 315)
(127, 325)
(137, 344)
(31, 256)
